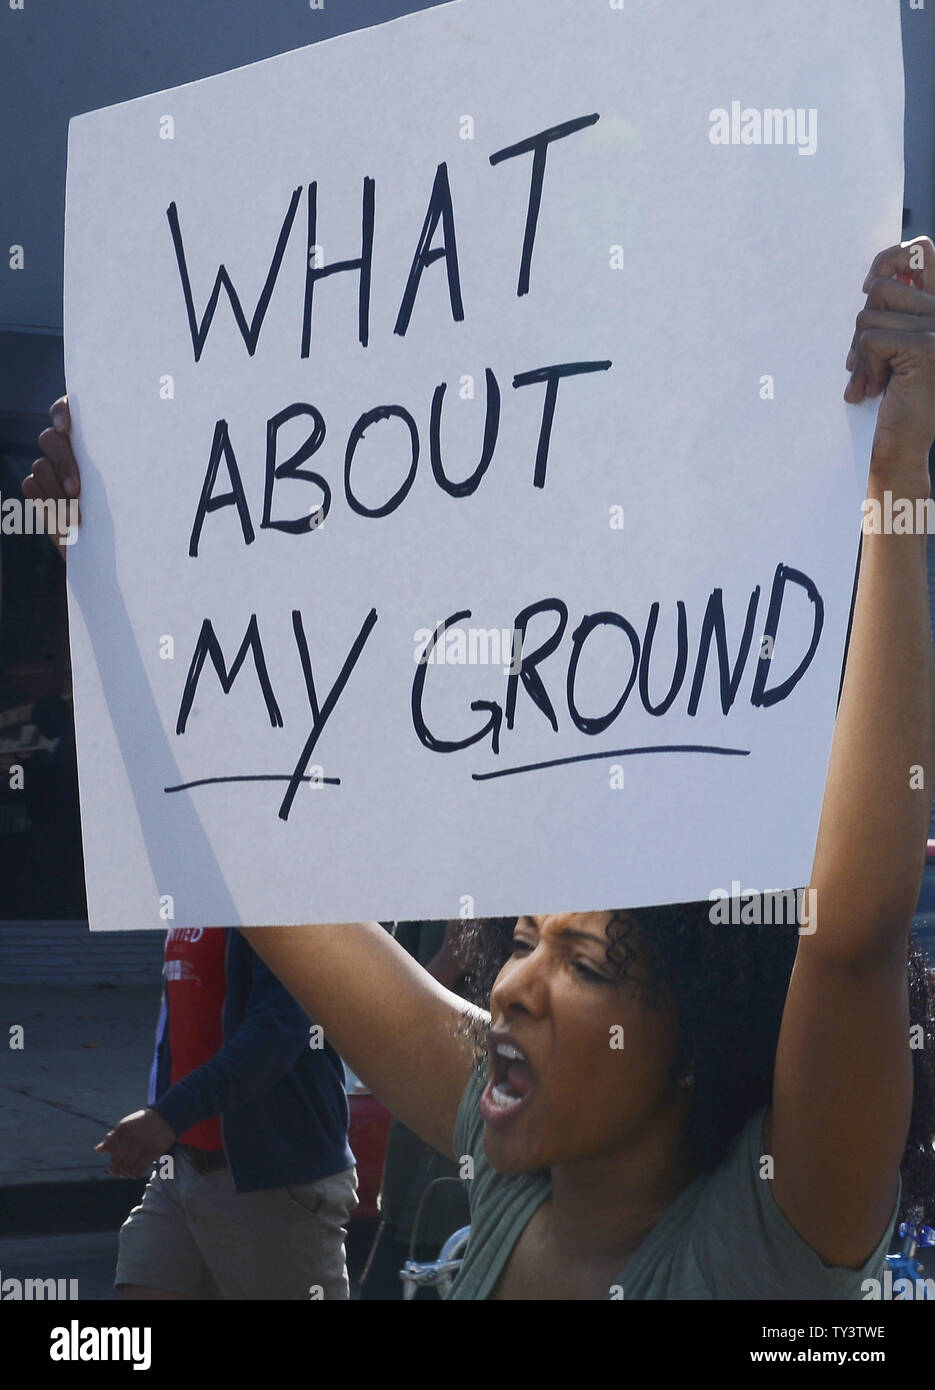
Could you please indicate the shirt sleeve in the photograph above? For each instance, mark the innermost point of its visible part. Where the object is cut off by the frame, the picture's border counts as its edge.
(747, 1249)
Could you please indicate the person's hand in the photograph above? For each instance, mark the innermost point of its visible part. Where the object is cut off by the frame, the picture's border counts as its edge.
(55, 476)
(135, 1143)
(893, 351)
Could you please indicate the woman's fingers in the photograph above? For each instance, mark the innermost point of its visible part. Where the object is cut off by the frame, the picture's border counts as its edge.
(55, 476)
(30, 488)
(56, 446)
(890, 305)
(43, 481)
(914, 262)
(882, 318)
(44, 485)
(915, 259)
(901, 363)
(60, 415)
(878, 317)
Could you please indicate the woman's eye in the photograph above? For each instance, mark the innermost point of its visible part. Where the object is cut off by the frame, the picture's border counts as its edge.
(588, 972)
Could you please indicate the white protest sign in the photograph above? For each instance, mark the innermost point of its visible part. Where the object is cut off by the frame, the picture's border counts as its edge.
(509, 336)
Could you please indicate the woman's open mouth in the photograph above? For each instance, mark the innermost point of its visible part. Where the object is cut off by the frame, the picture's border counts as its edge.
(510, 1084)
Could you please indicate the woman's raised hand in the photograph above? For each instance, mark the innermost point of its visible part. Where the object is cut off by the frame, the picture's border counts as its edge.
(55, 477)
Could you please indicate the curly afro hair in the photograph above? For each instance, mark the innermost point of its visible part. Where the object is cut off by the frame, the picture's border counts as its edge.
(729, 984)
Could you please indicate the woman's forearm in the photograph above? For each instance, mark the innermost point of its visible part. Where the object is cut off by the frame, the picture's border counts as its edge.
(871, 842)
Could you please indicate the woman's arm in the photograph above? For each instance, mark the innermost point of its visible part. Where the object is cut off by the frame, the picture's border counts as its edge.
(843, 1082)
(406, 1036)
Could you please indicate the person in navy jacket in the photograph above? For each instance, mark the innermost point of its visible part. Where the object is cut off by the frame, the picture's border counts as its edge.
(254, 1181)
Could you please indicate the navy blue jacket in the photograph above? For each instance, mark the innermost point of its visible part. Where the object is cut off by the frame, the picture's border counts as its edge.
(282, 1103)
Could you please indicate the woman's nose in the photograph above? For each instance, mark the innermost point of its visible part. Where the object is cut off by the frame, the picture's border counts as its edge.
(522, 983)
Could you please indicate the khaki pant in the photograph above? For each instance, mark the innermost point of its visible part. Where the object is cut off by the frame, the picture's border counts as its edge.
(192, 1234)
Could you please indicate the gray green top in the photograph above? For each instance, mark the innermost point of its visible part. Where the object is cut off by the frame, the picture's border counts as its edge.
(722, 1238)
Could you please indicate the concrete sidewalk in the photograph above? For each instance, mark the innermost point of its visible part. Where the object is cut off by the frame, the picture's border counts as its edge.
(84, 1064)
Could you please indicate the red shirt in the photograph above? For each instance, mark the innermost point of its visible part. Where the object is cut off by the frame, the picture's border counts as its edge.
(196, 982)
